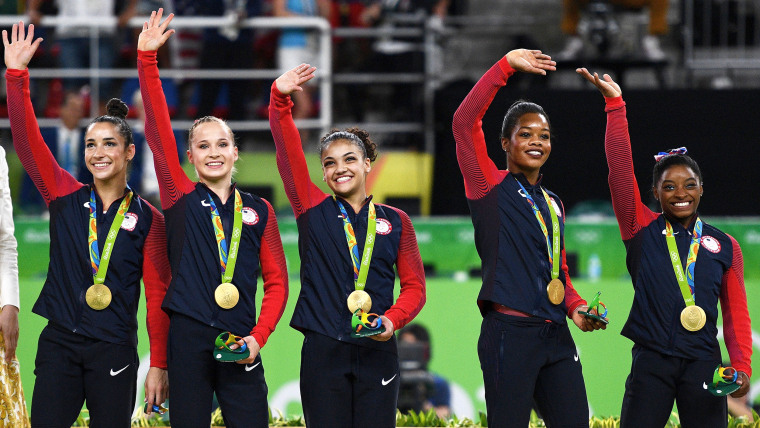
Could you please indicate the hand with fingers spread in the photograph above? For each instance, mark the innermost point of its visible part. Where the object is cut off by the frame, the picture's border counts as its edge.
(154, 33)
(531, 61)
(292, 80)
(20, 50)
(607, 87)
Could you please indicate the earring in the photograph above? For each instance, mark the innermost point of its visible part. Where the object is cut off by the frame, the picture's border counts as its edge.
(323, 178)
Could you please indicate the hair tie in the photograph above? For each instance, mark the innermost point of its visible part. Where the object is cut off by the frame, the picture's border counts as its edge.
(678, 151)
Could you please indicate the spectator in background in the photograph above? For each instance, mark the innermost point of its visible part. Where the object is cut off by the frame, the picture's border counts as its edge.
(66, 144)
(298, 46)
(11, 394)
(650, 44)
(439, 396)
(226, 48)
(74, 39)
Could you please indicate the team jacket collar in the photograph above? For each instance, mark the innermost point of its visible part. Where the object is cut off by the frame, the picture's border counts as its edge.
(519, 176)
(213, 194)
(677, 224)
(116, 203)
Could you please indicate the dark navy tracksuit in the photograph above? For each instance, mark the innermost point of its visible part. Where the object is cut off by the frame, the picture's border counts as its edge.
(670, 363)
(345, 382)
(196, 319)
(86, 354)
(516, 271)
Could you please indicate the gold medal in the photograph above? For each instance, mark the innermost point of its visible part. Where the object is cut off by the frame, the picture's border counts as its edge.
(98, 297)
(226, 295)
(359, 299)
(556, 291)
(693, 318)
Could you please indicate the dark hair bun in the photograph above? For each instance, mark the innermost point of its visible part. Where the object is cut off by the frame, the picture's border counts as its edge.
(117, 108)
(369, 146)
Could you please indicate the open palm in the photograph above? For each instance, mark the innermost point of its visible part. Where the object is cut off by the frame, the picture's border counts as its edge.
(154, 33)
(20, 50)
(531, 61)
(291, 80)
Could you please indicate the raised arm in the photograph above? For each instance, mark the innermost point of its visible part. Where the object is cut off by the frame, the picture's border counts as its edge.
(737, 330)
(274, 272)
(172, 180)
(411, 275)
(631, 213)
(291, 162)
(51, 180)
(479, 171)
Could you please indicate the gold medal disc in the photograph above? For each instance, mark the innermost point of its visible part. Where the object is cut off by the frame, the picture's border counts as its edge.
(226, 295)
(693, 318)
(359, 299)
(98, 297)
(556, 291)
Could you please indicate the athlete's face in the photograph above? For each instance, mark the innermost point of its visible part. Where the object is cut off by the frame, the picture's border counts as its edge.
(529, 144)
(345, 168)
(212, 152)
(679, 192)
(105, 152)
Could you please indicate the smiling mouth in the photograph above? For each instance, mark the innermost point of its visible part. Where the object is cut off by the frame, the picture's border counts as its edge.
(681, 204)
(101, 164)
(343, 179)
(214, 164)
(535, 153)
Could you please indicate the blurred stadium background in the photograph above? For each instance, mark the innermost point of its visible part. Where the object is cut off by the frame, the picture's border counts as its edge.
(702, 95)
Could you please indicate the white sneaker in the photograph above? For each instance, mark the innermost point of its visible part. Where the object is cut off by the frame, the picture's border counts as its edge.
(650, 46)
(573, 49)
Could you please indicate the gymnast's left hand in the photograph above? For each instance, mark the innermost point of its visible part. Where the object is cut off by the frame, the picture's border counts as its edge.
(742, 380)
(253, 346)
(585, 323)
(387, 334)
(154, 33)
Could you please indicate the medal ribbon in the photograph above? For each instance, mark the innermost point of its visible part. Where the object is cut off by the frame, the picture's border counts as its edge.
(227, 259)
(685, 282)
(552, 244)
(96, 259)
(360, 269)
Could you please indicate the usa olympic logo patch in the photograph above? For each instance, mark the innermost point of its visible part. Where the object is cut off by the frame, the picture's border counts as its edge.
(250, 216)
(710, 244)
(130, 221)
(383, 226)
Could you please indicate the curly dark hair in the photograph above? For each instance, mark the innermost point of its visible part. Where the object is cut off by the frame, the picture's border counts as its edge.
(357, 136)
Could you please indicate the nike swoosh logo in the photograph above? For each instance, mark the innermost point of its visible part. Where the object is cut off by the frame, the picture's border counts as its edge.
(575, 357)
(249, 368)
(386, 382)
(205, 204)
(87, 205)
(114, 373)
(704, 385)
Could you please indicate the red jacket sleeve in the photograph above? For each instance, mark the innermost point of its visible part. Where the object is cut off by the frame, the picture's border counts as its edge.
(737, 330)
(291, 162)
(274, 272)
(51, 180)
(156, 277)
(479, 171)
(172, 180)
(631, 213)
(411, 274)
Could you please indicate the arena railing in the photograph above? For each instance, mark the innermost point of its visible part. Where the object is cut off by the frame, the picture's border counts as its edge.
(722, 35)
(323, 122)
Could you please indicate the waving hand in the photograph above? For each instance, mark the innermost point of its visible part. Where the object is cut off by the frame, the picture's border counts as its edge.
(21, 48)
(154, 33)
(531, 61)
(607, 87)
(292, 80)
